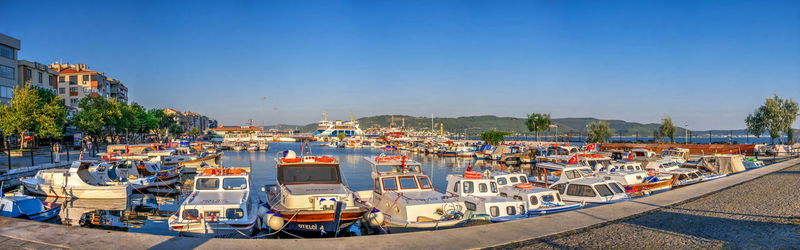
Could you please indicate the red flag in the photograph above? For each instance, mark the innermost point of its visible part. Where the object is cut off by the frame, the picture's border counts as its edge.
(573, 160)
(630, 156)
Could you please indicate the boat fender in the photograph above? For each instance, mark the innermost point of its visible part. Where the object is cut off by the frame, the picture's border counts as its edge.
(375, 218)
(275, 222)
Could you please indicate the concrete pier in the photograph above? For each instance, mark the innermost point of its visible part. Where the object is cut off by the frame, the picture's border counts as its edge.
(41, 235)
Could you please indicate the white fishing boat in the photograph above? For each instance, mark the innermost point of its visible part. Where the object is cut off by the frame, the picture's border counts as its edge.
(76, 182)
(482, 199)
(538, 200)
(238, 147)
(252, 147)
(221, 205)
(310, 197)
(148, 175)
(679, 155)
(581, 182)
(406, 196)
(263, 146)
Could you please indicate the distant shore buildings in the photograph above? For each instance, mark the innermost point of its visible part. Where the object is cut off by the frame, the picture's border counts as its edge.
(188, 120)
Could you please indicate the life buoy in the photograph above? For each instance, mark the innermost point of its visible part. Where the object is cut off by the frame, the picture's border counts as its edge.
(325, 159)
(290, 160)
(524, 186)
(472, 175)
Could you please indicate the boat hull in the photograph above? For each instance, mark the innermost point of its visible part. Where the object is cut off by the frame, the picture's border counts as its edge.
(552, 210)
(101, 192)
(318, 223)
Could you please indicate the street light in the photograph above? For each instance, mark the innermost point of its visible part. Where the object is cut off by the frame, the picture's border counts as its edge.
(686, 131)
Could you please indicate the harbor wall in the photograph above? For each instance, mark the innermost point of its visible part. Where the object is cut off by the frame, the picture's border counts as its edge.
(16, 232)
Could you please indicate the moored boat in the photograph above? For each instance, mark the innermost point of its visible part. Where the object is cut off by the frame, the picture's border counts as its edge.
(76, 182)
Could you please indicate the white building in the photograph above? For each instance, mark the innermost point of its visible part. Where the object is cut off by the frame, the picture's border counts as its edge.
(9, 47)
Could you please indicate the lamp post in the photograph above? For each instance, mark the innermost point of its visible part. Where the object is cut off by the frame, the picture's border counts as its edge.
(686, 132)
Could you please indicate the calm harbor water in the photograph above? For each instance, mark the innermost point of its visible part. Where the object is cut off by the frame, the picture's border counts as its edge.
(148, 213)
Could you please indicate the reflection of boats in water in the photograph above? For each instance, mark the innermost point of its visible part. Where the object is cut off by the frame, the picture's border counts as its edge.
(73, 209)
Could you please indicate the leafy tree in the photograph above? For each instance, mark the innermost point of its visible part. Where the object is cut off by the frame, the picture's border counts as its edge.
(538, 123)
(775, 116)
(667, 129)
(599, 131)
(33, 110)
(96, 116)
(493, 137)
(194, 132)
(175, 129)
(164, 122)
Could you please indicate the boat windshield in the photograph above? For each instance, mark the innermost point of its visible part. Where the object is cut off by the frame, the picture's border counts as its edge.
(586, 172)
(309, 174)
(206, 184)
(234, 183)
(617, 189)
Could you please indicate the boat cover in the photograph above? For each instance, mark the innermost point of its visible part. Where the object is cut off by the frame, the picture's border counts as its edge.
(724, 164)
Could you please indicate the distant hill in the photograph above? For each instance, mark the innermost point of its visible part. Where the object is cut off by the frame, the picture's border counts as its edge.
(476, 124)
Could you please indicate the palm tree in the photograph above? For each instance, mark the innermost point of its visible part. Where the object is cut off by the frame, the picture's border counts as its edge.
(538, 123)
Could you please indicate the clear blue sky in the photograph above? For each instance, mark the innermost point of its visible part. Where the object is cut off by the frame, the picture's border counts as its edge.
(708, 63)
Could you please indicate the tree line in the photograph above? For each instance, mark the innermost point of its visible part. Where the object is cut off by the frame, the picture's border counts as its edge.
(39, 112)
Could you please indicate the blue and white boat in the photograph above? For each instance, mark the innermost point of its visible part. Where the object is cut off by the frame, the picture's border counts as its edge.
(538, 200)
(27, 207)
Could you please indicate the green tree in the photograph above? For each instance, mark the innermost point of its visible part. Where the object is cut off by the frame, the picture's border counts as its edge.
(538, 123)
(755, 124)
(33, 110)
(775, 116)
(194, 132)
(667, 129)
(96, 116)
(493, 137)
(599, 131)
(175, 129)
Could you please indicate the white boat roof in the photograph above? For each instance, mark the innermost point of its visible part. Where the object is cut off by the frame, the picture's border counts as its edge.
(428, 196)
(316, 189)
(530, 190)
(216, 198)
(588, 181)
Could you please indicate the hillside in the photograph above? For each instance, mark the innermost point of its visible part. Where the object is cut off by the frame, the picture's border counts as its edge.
(476, 124)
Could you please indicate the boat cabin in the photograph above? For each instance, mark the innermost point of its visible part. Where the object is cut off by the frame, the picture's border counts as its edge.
(680, 155)
(481, 197)
(593, 190)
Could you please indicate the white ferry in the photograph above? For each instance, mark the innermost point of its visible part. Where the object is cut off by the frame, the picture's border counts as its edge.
(406, 196)
(334, 128)
(221, 205)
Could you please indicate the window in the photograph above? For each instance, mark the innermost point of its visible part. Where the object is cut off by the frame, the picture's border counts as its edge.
(534, 200)
(523, 179)
(580, 190)
(469, 187)
(85, 77)
(560, 187)
(73, 89)
(572, 174)
(210, 215)
(617, 188)
(494, 211)
(389, 183)
(513, 179)
(548, 198)
(190, 214)
(61, 91)
(7, 52)
(558, 197)
(511, 210)
(493, 186)
(206, 184)
(7, 72)
(61, 79)
(234, 183)
(603, 190)
(324, 174)
(6, 92)
(73, 80)
(455, 187)
(483, 188)
(234, 213)
(408, 183)
(27, 75)
(502, 181)
(470, 206)
(73, 101)
(377, 186)
(87, 90)
(424, 182)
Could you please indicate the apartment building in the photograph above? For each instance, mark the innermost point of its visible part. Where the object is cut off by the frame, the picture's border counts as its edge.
(117, 90)
(76, 81)
(37, 75)
(188, 120)
(9, 47)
